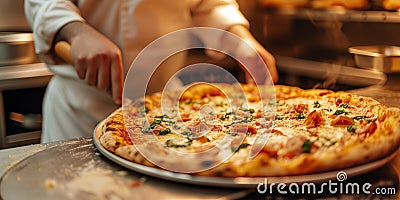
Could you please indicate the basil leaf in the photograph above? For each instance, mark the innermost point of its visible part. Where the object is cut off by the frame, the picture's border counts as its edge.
(359, 117)
(301, 116)
(339, 112)
(170, 143)
(165, 132)
(351, 128)
(143, 111)
(154, 124)
(307, 146)
(316, 104)
(344, 105)
(241, 146)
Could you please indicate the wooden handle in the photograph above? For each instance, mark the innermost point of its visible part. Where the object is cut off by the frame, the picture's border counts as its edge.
(62, 50)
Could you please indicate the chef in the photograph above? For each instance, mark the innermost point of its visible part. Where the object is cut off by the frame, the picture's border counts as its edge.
(105, 37)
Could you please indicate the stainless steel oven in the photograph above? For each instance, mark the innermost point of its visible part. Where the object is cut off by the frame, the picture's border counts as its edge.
(23, 79)
(22, 88)
(311, 45)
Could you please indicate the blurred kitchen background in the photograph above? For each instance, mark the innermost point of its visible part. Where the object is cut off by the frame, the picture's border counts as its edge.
(310, 40)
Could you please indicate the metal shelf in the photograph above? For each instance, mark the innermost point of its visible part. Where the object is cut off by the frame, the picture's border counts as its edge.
(337, 14)
(321, 70)
(23, 138)
(24, 76)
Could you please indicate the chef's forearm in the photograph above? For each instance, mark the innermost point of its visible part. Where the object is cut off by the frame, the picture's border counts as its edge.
(72, 30)
(46, 19)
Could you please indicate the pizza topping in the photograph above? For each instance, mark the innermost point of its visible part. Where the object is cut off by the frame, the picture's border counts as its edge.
(272, 147)
(189, 134)
(300, 116)
(312, 131)
(324, 93)
(351, 128)
(178, 143)
(324, 141)
(313, 120)
(245, 120)
(307, 146)
(293, 146)
(152, 125)
(343, 99)
(300, 108)
(359, 117)
(243, 128)
(344, 105)
(203, 139)
(258, 114)
(185, 117)
(216, 128)
(316, 104)
(143, 111)
(165, 131)
(368, 129)
(241, 146)
(198, 126)
(276, 131)
(250, 110)
(240, 114)
(338, 102)
(226, 115)
(340, 111)
(342, 120)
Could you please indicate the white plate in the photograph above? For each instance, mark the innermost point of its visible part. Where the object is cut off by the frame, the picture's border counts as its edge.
(241, 182)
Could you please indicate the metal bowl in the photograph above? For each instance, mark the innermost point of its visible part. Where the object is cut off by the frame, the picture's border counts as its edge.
(16, 48)
(380, 58)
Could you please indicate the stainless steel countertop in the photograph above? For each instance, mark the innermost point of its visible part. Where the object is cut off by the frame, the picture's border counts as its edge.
(72, 162)
(28, 163)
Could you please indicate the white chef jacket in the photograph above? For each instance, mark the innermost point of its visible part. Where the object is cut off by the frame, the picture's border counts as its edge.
(71, 107)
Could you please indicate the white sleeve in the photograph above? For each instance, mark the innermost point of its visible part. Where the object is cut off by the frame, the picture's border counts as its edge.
(217, 14)
(221, 14)
(46, 18)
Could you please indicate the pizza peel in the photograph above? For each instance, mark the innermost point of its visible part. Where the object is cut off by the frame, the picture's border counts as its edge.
(77, 170)
(62, 50)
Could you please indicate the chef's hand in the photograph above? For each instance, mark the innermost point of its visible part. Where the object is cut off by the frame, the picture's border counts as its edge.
(255, 67)
(96, 59)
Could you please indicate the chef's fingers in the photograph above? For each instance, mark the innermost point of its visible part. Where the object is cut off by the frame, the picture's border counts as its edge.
(259, 67)
(92, 63)
(103, 77)
(117, 79)
(271, 64)
(80, 67)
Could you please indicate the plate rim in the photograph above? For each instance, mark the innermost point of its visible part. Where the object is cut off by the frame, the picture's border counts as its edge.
(238, 182)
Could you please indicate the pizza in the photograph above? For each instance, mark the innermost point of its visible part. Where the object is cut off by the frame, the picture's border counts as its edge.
(305, 131)
(349, 4)
(323, 4)
(284, 3)
(391, 4)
